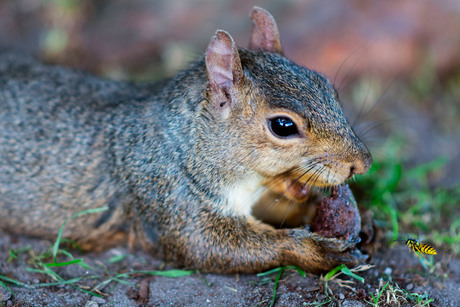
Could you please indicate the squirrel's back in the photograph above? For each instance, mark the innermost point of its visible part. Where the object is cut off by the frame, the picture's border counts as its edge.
(54, 160)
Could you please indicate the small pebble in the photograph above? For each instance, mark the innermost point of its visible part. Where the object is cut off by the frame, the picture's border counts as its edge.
(98, 300)
(4, 295)
(341, 296)
(320, 296)
(418, 289)
(351, 303)
(91, 304)
(410, 286)
(387, 271)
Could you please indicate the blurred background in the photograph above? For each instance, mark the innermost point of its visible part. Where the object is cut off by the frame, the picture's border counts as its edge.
(396, 64)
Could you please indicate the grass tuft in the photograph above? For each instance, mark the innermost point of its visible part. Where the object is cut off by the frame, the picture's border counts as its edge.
(44, 268)
(280, 271)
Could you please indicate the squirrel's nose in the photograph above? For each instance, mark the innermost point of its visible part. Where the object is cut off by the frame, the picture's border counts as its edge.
(361, 165)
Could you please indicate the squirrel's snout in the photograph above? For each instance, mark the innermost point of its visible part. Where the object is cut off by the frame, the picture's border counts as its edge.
(361, 165)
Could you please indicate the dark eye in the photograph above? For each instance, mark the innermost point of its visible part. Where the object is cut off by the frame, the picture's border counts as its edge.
(283, 127)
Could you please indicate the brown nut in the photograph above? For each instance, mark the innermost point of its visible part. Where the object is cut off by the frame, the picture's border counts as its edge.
(338, 215)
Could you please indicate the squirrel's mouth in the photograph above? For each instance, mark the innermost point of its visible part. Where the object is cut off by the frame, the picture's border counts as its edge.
(291, 188)
(295, 190)
(297, 187)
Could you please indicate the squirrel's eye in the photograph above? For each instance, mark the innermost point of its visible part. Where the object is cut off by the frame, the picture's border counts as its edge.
(283, 127)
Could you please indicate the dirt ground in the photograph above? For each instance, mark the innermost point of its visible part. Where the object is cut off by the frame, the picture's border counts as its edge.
(373, 52)
(220, 290)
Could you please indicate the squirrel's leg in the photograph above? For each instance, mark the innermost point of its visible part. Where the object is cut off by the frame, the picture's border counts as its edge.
(210, 242)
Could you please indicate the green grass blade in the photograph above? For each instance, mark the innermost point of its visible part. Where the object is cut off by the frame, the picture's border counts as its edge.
(280, 271)
(59, 283)
(14, 253)
(373, 298)
(124, 282)
(55, 264)
(13, 256)
(392, 212)
(117, 258)
(379, 294)
(275, 287)
(5, 286)
(87, 292)
(46, 271)
(85, 266)
(288, 267)
(12, 281)
(295, 268)
(63, 251)
(58, 240)
(275, 270)
(332, 272)
(102, 284)
(347, 271)
(169, 273)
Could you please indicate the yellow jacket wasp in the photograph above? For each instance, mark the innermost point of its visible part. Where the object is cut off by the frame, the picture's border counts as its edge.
(419, 248)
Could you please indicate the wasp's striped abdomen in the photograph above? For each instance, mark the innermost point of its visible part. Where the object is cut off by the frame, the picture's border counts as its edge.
(422, 248)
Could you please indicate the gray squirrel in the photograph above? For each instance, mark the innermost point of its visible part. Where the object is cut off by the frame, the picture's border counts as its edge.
(179, 164)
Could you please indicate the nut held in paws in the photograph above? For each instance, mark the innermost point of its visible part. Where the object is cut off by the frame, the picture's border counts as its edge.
(338, 215)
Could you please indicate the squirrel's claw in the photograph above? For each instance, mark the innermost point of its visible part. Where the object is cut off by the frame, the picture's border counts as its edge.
(336, 252)
(333, 244)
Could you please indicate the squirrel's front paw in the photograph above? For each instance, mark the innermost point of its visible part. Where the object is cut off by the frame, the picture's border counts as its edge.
(350, 259)
(318, 254)
(336, 252)
(333, 244)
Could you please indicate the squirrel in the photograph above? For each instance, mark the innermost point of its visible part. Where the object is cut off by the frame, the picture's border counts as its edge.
(179, 164)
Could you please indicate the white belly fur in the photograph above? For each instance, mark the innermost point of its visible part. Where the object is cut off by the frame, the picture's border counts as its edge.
(243, 195)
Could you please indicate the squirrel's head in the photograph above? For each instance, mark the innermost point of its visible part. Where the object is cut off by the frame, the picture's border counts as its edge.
(283, 121)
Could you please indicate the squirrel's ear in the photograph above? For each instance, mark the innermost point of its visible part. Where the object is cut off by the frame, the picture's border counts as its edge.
(224, 69)
(265, 34)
